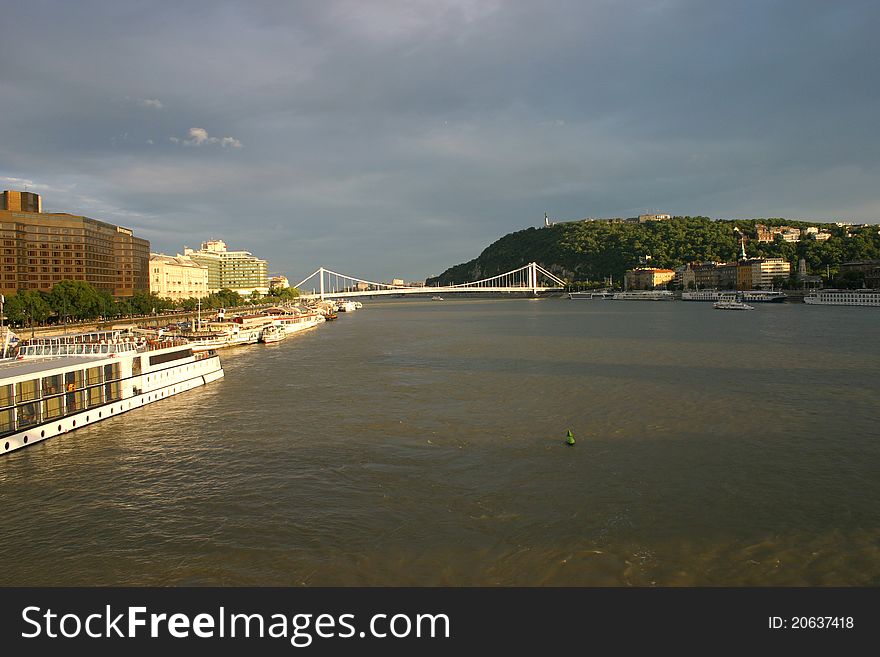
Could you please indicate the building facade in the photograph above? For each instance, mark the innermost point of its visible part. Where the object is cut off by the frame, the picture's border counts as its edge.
(177, 277)
(869, 269)
(41, 249)
(21, 201)
(761, 273)
(279, 282)
(648, 278)
(238, 271)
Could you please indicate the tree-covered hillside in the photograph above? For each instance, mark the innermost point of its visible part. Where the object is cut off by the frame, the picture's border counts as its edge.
(595, 250)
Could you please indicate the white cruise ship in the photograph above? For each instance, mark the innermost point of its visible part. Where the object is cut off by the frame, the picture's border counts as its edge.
(760, 296)
(590, 295)
(644, 295)
(294, 319)
(843, 298)
(56, 385)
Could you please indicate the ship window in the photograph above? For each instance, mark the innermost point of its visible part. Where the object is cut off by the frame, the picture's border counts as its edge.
(111, 372)
(174, 355)
(113, 391)
(94, 375)
(53, 407)
(51, 385)
(6, 395)
(95, 396)
(135, 366)
(7, 445)
(7, 418)
(27, 390)
(28, 415)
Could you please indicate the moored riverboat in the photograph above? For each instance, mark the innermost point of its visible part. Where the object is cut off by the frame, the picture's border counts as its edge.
(843, 298)
(644, 295)
(56, 385)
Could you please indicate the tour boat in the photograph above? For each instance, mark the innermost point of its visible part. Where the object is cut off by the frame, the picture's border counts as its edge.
(294, 319)
(273, 333)
(759, 296)
(644, 295)
(843, 298)
(731, 302)
(55, 385)
(595, 294)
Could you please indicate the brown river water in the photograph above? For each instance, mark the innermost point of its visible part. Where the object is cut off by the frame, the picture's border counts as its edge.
(423, 443)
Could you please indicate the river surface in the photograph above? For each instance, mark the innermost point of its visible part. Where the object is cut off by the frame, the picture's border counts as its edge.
(423, 443)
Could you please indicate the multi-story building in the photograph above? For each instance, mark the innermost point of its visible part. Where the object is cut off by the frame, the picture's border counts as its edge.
(769, 233)
(705, 275)
(40, 249)
(21, 201)
(279, 282)
(761, 273)
(726, 272)
(818, 235)
(870, 269)
(177, 277)
(238, 271)
(648, 278)
(710, 275)
(644, 218)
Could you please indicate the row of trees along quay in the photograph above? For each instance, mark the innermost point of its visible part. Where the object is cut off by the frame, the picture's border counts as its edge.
(78, 301)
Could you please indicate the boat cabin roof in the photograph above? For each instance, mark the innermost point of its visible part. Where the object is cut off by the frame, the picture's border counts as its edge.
(46, 366)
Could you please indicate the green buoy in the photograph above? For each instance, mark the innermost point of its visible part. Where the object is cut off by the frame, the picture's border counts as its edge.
(570, 438)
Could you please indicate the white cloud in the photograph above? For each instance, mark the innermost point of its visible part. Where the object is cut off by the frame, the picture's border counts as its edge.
(197, 137)
(200, 137)
(151, 102)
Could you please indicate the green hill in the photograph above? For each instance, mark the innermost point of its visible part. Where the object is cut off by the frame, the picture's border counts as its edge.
(583, 251)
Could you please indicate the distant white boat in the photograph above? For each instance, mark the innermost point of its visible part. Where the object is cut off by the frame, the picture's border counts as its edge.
(437, 299)
(595, 294)
(731, 302)
(644, 295)
(273, 333)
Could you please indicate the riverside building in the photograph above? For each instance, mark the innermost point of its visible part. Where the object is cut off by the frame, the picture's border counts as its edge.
(648, 278)
(177, 277)
(238, 271)
(761, 273)
(40, 249)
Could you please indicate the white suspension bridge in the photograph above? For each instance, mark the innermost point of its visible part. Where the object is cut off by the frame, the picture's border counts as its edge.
(531, 278)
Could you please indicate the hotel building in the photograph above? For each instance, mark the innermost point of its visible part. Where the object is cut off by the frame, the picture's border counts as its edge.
(40, 249)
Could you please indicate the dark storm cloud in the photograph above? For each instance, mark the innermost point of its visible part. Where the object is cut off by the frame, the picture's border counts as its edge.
(390, 139)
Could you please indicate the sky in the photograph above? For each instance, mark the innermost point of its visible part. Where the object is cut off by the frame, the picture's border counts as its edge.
(394, 139)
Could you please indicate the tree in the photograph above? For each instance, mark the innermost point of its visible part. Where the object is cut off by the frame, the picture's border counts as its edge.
(284, 294)
(28, 307)
(145, 303)
(76, 299)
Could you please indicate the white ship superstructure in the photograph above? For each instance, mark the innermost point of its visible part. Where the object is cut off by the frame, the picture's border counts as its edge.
(644, 295)
(759, 296)
(56, 385)
(843, 298)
